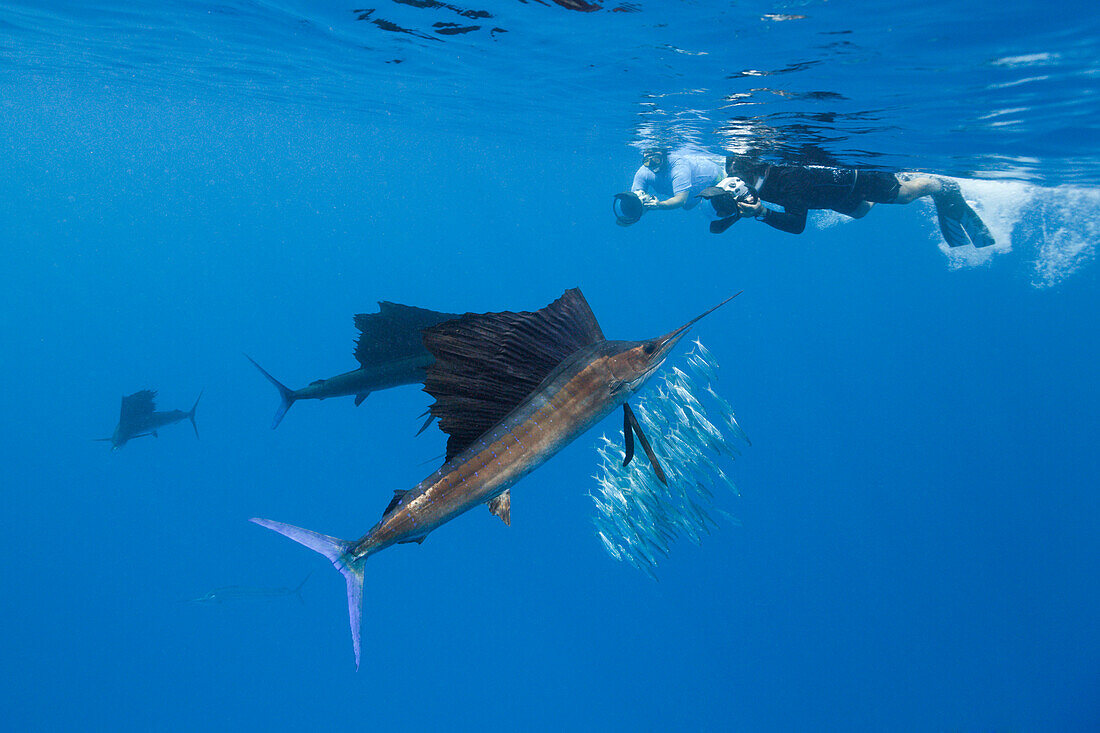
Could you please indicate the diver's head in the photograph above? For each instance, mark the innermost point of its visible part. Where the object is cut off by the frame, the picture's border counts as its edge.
(654, 158)
(743, 166)
(627, 208)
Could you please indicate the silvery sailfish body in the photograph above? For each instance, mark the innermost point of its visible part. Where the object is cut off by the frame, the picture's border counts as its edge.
(511, 390)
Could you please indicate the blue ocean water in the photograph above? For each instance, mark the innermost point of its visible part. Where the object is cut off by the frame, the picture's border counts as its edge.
(187, 181)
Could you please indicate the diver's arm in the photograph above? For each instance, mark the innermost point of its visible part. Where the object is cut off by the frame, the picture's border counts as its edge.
(672, 203)
(792, 221)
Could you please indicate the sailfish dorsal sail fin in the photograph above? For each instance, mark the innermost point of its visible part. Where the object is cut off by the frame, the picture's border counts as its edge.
(393, 332)
(486, 364)
(137, 407)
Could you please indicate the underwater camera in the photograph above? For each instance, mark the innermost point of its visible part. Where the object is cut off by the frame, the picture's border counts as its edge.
(628, 208)
(724, 198)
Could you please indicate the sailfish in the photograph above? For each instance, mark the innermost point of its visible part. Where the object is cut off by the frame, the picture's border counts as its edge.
(511, 390)
(139, 417)
(389, 350)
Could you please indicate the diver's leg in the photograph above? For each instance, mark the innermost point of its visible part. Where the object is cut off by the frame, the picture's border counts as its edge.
(914, 188)
(860, 211)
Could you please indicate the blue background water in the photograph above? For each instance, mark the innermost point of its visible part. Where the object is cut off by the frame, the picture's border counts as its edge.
(182, 184)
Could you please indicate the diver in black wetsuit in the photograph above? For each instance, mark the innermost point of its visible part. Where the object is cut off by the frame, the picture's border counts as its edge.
(849, 191)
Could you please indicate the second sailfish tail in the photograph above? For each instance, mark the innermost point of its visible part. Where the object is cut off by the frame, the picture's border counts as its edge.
(286, 394)
(191, 415)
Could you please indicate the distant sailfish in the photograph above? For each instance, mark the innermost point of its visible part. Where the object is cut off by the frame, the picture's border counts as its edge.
(139, 418)
(247, 593)
(389, 350)
(511, 390)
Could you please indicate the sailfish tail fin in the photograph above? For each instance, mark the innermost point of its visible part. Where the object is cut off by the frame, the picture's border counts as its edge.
(336, 551)
(298, 590)
(191, 414)
(285, 393)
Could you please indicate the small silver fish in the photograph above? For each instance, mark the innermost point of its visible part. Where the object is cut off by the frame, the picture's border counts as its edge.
(704, 353)
(609, 545)
(703, 369)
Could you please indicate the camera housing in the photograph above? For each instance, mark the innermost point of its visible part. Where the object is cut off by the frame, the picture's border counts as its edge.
(627, 207)
(724, 198)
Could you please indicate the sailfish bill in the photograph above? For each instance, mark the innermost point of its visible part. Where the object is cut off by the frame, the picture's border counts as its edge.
(511, 390)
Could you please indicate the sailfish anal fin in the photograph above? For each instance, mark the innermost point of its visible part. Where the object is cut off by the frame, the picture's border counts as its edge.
(501, 506)
(631, 426)
(487, 364)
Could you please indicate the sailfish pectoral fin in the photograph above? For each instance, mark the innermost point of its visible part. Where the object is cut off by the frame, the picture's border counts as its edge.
(360, 397)
(628, 433)
(633, 426)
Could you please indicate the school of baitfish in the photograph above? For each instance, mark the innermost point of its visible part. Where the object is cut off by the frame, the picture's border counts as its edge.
(638, 516)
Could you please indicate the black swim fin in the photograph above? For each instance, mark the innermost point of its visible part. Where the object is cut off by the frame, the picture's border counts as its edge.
(960, 225)
(952, 230)
(976, 229)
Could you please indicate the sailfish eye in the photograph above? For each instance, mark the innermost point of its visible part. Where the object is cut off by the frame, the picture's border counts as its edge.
(649, 348)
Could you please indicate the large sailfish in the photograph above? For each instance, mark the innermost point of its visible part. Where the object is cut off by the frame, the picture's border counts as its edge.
(511, 390)
(389, 350)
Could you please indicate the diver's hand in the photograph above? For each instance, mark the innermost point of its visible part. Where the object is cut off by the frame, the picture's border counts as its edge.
(754, 209)
(649, 202)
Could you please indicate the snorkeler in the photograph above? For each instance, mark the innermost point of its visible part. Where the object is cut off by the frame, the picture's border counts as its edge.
(679, 177)
(848, 191)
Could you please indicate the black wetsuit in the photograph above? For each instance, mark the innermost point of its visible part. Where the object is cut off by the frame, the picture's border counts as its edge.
(801, 188)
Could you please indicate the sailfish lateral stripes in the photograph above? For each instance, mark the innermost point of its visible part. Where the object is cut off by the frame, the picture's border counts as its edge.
(582, 388)
(487, 364)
